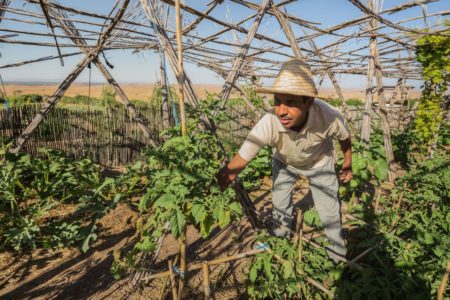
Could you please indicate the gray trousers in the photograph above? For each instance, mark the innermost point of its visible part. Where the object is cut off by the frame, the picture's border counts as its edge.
(324, 189)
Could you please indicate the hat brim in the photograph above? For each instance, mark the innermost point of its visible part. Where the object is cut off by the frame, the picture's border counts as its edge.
(261, 90)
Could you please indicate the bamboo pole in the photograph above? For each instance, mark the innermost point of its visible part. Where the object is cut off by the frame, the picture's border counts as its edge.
(383, 110)
(70, 29)
(164, 91)
(180, 72)
(210, 263)
(67, 82)
(300, 238)
(206, 281)
(441, 290)
(183, 272)
(365, 128)
(239, 58)
(172, 280)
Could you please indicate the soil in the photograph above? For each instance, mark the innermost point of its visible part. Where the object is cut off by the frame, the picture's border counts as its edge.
(69, 274)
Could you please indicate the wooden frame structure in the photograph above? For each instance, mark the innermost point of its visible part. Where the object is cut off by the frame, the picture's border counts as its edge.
(372, 45)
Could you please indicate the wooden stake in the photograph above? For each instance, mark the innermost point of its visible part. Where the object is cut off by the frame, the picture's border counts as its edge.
(297, 226)
(180, 72)
(163, 289)
(172, 280)
(441, 290)
(182, 264)
(377, 200)
(300, 239)
(206, 281)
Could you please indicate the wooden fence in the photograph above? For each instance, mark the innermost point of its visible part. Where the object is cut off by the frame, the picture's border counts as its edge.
(109, 137)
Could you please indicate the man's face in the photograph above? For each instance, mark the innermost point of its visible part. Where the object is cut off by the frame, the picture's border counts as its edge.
(291, 110)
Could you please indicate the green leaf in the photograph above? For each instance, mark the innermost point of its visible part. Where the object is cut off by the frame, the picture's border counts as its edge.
(177, 222)
(224, 218)
(353, 184)
(254, 270)
(287, 269)
(91, 236)
(236, 208)
(268, 266)
(206, 226)
(146, 245)
(166, 201)
(143, 202)
(198, 212)
(381, 168)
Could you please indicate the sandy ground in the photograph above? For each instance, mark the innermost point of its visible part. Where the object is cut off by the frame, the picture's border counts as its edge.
(69, 274)
(143, 91)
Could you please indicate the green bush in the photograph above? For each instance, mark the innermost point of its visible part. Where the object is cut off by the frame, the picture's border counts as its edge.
(354, 102)
(336, 102)
(17, 100)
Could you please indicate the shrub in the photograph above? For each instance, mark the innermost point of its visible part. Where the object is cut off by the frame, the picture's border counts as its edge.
(354, 102)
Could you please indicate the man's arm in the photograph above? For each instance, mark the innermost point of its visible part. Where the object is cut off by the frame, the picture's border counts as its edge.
(346, 172)
(228, 173)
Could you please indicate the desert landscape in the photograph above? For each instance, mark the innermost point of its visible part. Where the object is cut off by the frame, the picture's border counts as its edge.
(144, 91)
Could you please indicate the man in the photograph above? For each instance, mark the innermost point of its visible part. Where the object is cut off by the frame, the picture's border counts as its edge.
(300, 130)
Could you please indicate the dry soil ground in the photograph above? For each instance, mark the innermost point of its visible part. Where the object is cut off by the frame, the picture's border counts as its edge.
(68, 274)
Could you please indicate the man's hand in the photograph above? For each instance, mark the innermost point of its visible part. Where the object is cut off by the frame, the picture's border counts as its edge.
(228, 173)
(345, 174)
(225, 178)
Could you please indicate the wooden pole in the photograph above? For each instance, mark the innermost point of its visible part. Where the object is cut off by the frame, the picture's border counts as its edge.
(182, 252)
(172, 280)
(69, 28)
(300, 239)
(365, 128)
(441, 290)
(206, 281)
(180, 72)
(383, 110)
(239, 58)
(164, 91)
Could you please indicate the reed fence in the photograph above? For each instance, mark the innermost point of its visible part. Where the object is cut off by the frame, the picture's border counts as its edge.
(109, 137)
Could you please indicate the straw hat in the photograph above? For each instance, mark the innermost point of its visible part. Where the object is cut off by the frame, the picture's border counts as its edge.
(295, 78)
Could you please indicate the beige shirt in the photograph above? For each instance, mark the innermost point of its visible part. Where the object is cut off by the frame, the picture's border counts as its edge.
(305, 149)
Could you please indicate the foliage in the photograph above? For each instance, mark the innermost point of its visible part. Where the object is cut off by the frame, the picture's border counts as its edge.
(108, 97)
(257, 169)
(433, 52)
(368, 165)
(156, 97)
(414, 235)
(336, 102)
(252, 96)
(180, 187)
(278, 274)
(31, 187)
(17, 100)
(79, 99)
(354, 102)
(410, 241)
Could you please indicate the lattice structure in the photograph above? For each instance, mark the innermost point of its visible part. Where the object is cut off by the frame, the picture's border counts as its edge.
(370, 45)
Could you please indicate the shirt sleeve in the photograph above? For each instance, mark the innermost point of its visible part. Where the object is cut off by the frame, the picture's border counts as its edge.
(339, 129)
(259, 136)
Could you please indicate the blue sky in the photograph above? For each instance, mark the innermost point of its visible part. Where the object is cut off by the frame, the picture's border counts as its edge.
(143, 67)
